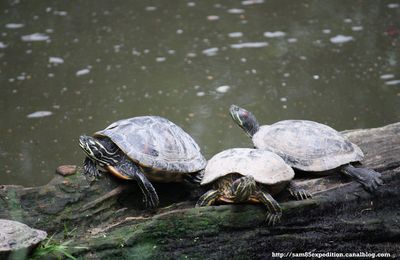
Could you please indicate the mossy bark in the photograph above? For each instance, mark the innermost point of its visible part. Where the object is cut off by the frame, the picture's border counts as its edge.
(107, 220)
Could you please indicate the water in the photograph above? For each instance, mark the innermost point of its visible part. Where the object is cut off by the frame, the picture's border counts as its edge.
(69, 68)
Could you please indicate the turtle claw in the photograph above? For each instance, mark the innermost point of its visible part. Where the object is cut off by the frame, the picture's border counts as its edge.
(372, 182)
(273, 218)
(300, 194)
(303, 195)
(150, 200)
(150, 203)
(369, 179)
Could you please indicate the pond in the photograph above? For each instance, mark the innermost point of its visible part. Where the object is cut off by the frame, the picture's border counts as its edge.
(73, 67)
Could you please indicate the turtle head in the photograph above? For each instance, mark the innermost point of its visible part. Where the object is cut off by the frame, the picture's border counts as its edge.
(243, 188)
(96, 151)
(245, 119)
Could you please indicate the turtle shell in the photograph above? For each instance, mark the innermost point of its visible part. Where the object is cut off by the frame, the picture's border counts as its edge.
(15, 236)
(156, 143)
(266, 167)
(307, 145)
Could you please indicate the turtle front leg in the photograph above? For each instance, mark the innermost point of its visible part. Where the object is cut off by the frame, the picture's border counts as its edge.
(274, 210)
(90, 168)
(150, 198)
(298, 193)
(208, 198)
(129, 170)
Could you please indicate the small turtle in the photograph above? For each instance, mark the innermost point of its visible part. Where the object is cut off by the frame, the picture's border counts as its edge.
(144, 148)
(249, 175)
(16, 236)
(308, 146)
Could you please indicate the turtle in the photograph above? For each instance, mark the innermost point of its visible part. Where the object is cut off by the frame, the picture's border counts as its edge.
(144, 149)
(246, 175)
(16, 236)
(309, 147)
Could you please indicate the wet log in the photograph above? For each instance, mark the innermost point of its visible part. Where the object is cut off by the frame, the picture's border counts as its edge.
(105, 218)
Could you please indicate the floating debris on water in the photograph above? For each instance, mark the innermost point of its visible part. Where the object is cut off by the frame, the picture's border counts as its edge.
(35, 37)
(357, 28)
(252, 2)
(56, 60)
(150, 8)
(235, 34)
(341, 39)
(210, 51)
(326, 31)
(14, 25)
(223, 89)
(283, 99)
(200, 94)
(387, 76)
(315, 76)
(213, 17)
(235, 11)
(292, 40)
(2, 45)
(191, 55)
(393, 82)
(38, 114)
(161, 59)
(60, 13)
(393, 5)
(274, 34)
(82, 72)
(249, 45)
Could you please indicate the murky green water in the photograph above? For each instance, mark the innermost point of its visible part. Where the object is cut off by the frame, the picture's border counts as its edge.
(90, 63)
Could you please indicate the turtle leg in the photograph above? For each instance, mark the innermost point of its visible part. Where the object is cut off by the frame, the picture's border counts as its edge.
(208, 198)
(150, 198)
(90, 168)
(298, 193)
(369, 178)
(274, 210)
(243, 188)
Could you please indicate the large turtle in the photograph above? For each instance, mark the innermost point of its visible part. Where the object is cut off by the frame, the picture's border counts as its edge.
(249, 175)
(308, 146)
(144, 148)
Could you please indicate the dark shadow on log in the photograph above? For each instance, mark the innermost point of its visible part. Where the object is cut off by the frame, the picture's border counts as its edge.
(109, 219)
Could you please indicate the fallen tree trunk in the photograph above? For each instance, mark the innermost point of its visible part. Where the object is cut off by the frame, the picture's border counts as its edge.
(105, 218)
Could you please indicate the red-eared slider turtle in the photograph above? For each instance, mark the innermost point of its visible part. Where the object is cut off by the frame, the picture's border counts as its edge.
(249, 175)
(16, 236)
(144, 148)
(308, 146)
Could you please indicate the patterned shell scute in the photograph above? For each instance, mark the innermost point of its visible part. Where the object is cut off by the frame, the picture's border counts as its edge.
(307, 145)
(157, 143)
(264, 166)
(15, 235)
